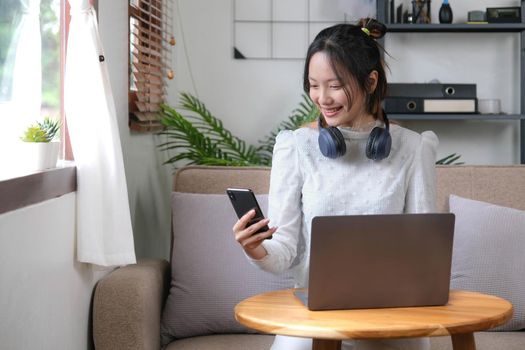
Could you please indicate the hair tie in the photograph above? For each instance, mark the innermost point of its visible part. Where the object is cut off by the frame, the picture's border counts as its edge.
(365, 30)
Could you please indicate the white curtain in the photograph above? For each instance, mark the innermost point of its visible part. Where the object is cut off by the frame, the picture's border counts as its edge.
(104, 231)
(24, 59)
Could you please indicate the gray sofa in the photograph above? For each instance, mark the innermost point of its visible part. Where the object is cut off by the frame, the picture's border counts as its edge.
(128, 303)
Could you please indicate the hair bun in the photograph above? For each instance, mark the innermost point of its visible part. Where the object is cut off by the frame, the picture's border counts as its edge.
(376, 29)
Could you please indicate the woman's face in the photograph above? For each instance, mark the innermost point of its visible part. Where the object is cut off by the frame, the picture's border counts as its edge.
(328, 93)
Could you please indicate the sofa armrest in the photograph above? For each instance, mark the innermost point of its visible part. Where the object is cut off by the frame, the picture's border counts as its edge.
(127, 306)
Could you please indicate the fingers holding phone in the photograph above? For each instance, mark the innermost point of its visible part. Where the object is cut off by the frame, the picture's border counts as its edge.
(251, 228)
(251, 237)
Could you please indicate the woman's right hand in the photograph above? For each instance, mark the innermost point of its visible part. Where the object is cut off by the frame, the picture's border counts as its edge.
(247, 237)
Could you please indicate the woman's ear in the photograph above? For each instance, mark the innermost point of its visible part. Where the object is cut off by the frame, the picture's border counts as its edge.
(372, 81)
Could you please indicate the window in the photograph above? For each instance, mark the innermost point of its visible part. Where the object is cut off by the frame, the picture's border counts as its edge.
(30, 70)
(34, 30)
(150, 42)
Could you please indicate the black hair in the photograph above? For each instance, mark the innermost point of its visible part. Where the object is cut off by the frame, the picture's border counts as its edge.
(353, 53)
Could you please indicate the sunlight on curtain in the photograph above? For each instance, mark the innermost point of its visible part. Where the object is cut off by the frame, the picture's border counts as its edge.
(104, 232)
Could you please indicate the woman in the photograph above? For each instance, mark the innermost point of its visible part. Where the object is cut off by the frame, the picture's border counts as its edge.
(349, 162)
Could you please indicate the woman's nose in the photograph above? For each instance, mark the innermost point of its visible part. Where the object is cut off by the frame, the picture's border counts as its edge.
(324, 97)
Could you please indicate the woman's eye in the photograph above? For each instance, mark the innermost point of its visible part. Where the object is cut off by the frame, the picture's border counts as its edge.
(335, 87)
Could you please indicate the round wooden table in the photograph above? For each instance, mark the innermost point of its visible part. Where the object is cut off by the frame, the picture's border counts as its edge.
(281, 312)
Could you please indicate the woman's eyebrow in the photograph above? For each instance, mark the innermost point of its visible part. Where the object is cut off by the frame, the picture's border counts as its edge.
(329, 80)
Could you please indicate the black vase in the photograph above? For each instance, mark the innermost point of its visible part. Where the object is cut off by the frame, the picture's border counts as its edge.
(445, 13)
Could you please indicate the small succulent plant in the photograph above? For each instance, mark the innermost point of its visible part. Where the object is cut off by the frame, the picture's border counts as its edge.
(45, 131)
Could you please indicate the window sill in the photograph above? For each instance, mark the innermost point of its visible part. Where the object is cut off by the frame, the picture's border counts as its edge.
(22, 191)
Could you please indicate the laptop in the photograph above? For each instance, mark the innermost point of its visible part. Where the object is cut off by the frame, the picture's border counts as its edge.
(379, 261)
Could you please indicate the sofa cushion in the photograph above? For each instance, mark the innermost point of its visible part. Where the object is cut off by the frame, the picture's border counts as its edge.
(224, 342)
(210, 273)
(489, 253)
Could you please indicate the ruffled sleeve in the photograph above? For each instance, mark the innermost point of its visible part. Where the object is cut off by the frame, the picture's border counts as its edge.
(284, 205)
(421, 191)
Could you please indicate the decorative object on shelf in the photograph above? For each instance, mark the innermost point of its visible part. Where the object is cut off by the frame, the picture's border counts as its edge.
(399, 14)
(477, 16)
(504, 14)
(445, 12)
(40, 147)
(489, 106)
(421, 11)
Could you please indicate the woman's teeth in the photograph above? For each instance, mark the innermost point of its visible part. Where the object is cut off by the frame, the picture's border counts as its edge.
(331, 111)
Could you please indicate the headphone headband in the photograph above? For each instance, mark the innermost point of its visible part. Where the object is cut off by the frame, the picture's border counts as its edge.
(332, 143)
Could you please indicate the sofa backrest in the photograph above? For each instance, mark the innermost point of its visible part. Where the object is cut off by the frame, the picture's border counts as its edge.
(503, 185)
(215, 179)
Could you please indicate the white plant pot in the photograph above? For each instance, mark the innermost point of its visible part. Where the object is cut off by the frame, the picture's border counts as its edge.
(40, 155)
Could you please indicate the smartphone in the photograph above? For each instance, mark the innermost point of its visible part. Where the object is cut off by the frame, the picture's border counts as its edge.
(243, 200)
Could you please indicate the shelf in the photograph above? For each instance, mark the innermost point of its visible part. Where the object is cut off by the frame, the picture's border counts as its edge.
(425, 117)
(443, 28)
(518, 28)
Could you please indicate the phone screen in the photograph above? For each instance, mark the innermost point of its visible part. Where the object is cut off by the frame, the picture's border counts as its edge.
(244, 200)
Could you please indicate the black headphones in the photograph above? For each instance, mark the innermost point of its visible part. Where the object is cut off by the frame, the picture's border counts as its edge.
(332, 143)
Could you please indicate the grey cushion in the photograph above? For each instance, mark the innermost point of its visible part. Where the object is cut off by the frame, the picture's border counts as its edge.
(210, 273)
(489, 253)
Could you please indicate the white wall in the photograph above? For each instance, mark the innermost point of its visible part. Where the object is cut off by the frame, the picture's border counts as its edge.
(45, 295)
(252, 97)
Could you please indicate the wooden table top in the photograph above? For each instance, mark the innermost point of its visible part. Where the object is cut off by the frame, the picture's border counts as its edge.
(280, 312)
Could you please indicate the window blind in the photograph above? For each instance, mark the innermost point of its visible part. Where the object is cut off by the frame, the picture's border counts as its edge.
(151, 39)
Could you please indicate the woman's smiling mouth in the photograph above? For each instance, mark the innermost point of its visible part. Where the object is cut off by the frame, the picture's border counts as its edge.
(330, 112)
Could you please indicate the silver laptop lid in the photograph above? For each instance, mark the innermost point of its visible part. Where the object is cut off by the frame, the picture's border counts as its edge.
(373, 261)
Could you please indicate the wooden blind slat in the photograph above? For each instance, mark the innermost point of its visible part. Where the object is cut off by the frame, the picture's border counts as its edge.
(150, 90)
(143, 85)
(146, 43)
(145, 16)
(143, 77)
(149, 98)
(150, 70)
(147, 107)
(149, 32)
(145, 50)
(149, 42)
(147, 116)
(144, 59)
(156, 5)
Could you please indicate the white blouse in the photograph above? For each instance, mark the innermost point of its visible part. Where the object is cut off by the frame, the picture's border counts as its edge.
(304, 184)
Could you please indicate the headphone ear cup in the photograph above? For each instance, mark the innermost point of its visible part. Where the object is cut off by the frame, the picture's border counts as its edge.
(378, 144)
(331, 142)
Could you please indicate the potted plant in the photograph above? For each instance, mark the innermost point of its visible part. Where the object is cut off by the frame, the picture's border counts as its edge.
(41, 144)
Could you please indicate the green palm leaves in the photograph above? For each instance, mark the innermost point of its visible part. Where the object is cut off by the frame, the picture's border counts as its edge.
(201, 138)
